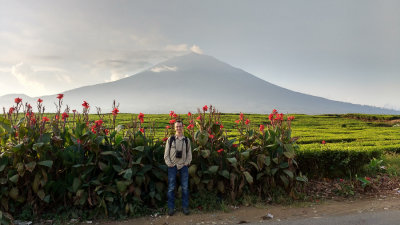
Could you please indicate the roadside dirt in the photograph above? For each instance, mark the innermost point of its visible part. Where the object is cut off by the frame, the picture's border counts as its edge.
(387, 200)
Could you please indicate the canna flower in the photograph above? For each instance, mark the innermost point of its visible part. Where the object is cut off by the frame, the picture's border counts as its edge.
(85, 105)
(18, 100)
(221, 126)
(172, 121)
(290, 118)
(198, 118)
(271, 117)
(237, 121)
(190, 126)
(165, 139)
(341, 180)
(11, 110)
(275, 111)
(140, 117)
(60, 96)
(40, 100)
(262, 128)
(220, 150)
(323, 142)
(167, 127)
(368, 178)
(211, 136)
(241, 116)
(174, 115)
(171, 113)
(141, 130)
(45, 119)
(106, 131)
(205, 108)
(115, 111)
(189, 114)
(247, 122)
(98, 123)
(74, 111)
(234, 145)
(64, 116)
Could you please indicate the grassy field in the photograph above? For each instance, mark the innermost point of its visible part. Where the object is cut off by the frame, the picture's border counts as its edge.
(345, 132)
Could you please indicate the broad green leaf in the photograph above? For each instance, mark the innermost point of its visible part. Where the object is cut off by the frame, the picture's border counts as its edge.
(267, 161)
(48, 163)
(128, 174)
(284, 180)
(5, 124)
(289, 173)
(14, 193)
(205, 153)
(224, 173)
(3, 163)
(245, 154)
(37, 146)
(249, 178)
(76, 184)
(41, 194)
(284, 165)
(139, 148)
(192, 170)
(232, 160)
(14, 178)
(213, 169)
(30, 166)
(255, 166)
(273, 171)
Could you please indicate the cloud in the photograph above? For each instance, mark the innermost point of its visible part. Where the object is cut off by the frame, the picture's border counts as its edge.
(40, 80)
(177, 48)
(196, 49)
(164, 68)
(116, 76)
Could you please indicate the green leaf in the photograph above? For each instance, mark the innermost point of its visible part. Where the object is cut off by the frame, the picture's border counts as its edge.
(232, 160)
(284, 165)
(14, 193)
(255, 165)
(249, 178)
(213, 169)
(192, 170)
(139, 148)
(273, 171)
(128, 174)
(14, 178)
(41, 194)
(289, 173)
(267, 161)
(37, 146)
(30, 166)
(122, 185)
(284, 180)
(224, 173)
(245, 154)
(76, 184)
(5, 124)
(48, 163)
(3, 163)
(205, 153)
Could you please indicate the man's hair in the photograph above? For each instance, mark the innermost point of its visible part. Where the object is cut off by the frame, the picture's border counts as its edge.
(178, 121)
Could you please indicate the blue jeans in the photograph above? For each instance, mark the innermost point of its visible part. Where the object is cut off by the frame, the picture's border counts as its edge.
(172, 171)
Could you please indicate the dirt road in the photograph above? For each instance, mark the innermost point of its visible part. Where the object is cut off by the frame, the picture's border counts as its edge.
(378, 203)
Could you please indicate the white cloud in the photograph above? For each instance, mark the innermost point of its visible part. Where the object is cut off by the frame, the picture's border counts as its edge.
(43, 81)
(116, 76)
(164, 68)
(196, 49)
(177, 48)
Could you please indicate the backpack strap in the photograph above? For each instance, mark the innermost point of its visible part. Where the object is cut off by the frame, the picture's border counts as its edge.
(171, 139)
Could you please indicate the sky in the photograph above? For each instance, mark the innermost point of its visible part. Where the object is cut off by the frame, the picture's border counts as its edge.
(345, 50)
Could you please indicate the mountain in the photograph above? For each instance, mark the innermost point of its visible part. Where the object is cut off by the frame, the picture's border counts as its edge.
(188, 82)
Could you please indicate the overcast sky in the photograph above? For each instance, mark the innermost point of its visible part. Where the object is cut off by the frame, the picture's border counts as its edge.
(341, 50)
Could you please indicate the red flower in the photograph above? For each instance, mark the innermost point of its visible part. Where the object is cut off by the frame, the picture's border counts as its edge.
(247, 122)
(18, 100)
(141, 130)
(271, 117)
(290, 118)
(115, 111)
(323, 142)
(57, 117)
(262, 128)
(241, 116)
(368, 178)
(106, 131)
(221, 126)
(171, 113)
(211, 136)
(98, 123)
(174, 115)
(85, 105)
(237, 121)
(40, 100)
(45, 119)
(275, 111)
(140, 117)
(341, 180)
(11, 110)
(165, 139)
(60, 96)
(189, 114)
(234, 145)
(64, 115)
(167, 127)
(29, 106)
(205, 108)
(220, 150)
(78, 141)
(172, 121)
(190, 126)
(198, 118)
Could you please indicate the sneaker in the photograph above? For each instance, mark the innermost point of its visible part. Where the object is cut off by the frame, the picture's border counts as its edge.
(171, 212)
(186, 211)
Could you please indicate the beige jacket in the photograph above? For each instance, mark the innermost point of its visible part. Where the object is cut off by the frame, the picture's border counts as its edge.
(170, 154)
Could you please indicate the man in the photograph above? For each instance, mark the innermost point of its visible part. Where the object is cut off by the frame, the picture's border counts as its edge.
(178, 156)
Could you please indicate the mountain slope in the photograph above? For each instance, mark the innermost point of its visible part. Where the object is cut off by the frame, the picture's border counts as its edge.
(187, 82)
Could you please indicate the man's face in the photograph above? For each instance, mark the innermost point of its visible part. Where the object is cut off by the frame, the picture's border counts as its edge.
(178, 128)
